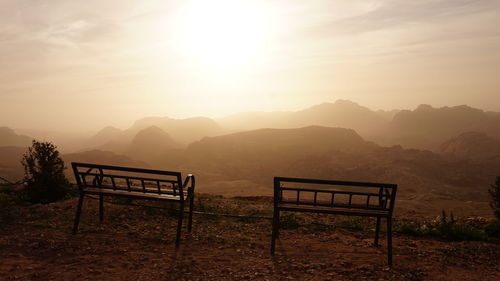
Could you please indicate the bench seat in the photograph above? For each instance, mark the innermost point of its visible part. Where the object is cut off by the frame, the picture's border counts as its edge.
(333, 210)
(132, 194)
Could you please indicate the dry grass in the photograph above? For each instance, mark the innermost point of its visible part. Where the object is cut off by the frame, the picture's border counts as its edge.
(136, 243)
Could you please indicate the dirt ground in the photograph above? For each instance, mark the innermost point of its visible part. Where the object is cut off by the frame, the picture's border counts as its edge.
(136, 243)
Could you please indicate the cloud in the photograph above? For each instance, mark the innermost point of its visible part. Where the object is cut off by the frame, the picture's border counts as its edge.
(398, 13)
(377, 29)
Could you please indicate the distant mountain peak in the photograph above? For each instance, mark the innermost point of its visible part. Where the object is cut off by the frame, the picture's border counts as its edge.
(148, 121)
(153, 131)
(424, 107)
(107, 131)
(110, 128)
(346, 102)
(471, 145)
(310, 138)
(338, 103)
(456, 108)
(8, 137)
(150, 143)
(7, 130)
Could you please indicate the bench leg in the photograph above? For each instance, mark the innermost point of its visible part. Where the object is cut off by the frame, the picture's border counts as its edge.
(179, 226)
(191, 207)
(389, 241)
(101, 208)
(275, 230)
(78, 213)
(377, 231)
(278, 224)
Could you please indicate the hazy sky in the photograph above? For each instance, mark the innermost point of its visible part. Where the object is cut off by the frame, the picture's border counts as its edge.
(86, 64)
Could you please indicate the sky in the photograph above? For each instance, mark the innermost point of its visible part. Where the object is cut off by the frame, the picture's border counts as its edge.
(72, 65)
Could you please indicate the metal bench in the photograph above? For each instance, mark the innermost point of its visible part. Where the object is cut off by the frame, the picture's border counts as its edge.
(335, 197)
(135, 183)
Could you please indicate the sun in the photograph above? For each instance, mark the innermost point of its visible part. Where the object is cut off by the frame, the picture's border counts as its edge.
(223, 33)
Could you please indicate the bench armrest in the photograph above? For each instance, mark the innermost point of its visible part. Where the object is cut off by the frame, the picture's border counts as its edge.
(189, 179)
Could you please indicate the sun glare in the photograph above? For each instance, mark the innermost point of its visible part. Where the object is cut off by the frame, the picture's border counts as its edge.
(223, 33)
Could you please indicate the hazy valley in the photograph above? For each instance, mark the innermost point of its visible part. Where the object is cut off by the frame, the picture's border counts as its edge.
(442, 158)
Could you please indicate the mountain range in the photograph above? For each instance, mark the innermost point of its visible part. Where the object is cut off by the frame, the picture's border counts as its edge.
(441, 157)
(342, 113)
(427, 127)
(425, 178)
(8, 137)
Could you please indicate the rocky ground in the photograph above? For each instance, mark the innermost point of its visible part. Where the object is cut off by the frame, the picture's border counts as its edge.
(137, 243)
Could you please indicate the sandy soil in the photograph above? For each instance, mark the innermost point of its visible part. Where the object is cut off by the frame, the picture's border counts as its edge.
(136, 243)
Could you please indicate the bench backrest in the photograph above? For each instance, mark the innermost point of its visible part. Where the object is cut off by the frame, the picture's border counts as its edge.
(338, 194)
(128, 179)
